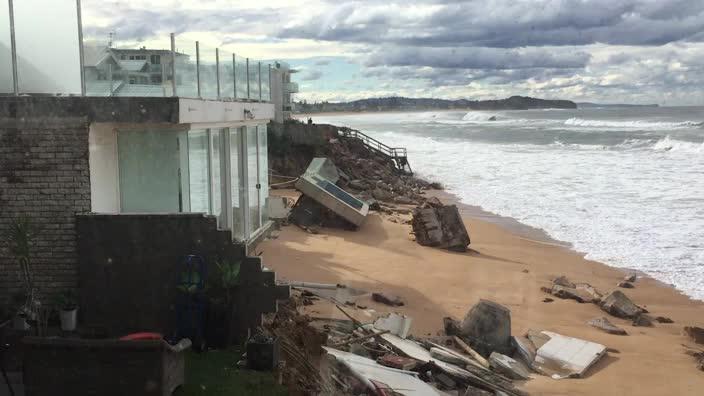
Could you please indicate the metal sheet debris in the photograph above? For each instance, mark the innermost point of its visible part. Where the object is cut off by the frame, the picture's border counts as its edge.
(401, 381)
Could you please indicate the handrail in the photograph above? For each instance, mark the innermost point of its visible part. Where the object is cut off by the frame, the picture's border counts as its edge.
(375, 144)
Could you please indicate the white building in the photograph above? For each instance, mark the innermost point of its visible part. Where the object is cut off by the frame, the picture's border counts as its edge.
(282, 90)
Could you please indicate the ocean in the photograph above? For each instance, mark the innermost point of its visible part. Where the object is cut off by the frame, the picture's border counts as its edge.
(625, 186)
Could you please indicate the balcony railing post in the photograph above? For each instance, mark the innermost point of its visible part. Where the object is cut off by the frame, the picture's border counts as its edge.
(13, 49)
(217, 69)
(80, 47)
(198, 67)
(173, 65)
(234, 77)
(259, 74)
(247, 65)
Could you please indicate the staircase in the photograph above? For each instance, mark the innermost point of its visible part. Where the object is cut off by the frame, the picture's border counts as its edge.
(398, 155)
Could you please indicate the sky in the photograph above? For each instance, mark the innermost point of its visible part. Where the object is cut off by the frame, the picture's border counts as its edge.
(608, 51)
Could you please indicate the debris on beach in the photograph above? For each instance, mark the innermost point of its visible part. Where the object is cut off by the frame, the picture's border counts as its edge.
(625, 285)
(697, 354)
(581, 292)
(618, 304)
(643, 320)
(663, 319)
(630, 278)
(440, 226)
(566, 357)
(695, 333)
(387, 299)
(322, 202)
(604, 324)
(488, 327)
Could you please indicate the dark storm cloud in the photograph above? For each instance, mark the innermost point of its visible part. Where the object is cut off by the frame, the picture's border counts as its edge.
(508, 23)
(478, 58)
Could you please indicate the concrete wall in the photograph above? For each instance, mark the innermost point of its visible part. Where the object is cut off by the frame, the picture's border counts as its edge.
(44, 174)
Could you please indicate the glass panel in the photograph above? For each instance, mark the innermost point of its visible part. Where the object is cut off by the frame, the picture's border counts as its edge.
(198, 171)
(252, 179)
(263, 173)
(236, 183)
(215, 172)
(227, 77)
(208, 73)
(241, 78)
(266, 86)
(6, 85)
(149, 171)
(47, 46)
(253, 80)
(186, 78)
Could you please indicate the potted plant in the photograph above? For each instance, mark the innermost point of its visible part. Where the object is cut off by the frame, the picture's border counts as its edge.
(220, 292)
(68, 310)
(19, 238)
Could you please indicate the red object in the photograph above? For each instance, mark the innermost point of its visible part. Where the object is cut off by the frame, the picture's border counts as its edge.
(142, 336)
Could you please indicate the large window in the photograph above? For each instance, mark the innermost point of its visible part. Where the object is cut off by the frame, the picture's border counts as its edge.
(198, 171)
(263, 165)
(236, 183)
(150, 171)
(252, 179)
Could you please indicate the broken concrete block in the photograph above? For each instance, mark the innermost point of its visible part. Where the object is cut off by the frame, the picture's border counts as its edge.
(695, 333)
(396, 324)
(488, 328)
(643, 320)
(525, 350)
(630, 278)
(663, 319)
(508, 367)
(440, 227)
(603, 324)
(625, 285)
(563, 281)
(579, 295)
(452, 326)
(618, 304)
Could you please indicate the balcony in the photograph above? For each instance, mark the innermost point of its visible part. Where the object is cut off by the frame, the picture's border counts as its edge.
(188, 68)
(290, 87)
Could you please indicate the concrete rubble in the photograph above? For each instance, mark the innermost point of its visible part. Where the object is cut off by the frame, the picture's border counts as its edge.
(604, 324)
(440, 226)
(618, 304)
(695, 333)
(477, 356)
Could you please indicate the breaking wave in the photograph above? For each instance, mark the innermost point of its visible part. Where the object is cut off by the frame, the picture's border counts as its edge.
(638, 124)
(668, 144)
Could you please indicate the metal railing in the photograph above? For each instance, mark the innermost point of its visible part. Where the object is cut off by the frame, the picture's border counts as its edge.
(393, 152)
(184, 68)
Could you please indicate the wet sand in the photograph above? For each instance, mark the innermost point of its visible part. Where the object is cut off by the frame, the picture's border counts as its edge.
(382, 256)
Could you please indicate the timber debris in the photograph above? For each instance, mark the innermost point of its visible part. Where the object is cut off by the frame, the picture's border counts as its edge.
(441, 226)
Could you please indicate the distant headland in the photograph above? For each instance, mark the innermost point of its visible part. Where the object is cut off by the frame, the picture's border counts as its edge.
(398, 103)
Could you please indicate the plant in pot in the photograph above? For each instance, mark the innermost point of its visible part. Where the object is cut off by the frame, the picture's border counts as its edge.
(67, 306)
(20, 238)
(220, 291)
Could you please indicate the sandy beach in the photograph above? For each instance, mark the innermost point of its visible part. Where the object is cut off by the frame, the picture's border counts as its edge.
(507, 265)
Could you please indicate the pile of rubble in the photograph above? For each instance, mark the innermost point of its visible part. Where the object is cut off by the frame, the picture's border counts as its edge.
(475, 356)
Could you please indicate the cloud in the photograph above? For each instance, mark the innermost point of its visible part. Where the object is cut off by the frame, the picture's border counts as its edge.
(312, 75)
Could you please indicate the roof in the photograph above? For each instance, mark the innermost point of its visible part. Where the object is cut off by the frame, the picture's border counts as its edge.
(94, 55)
(133, 65)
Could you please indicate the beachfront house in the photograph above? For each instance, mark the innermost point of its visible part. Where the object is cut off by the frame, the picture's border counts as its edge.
(282, 90)
(125, 182)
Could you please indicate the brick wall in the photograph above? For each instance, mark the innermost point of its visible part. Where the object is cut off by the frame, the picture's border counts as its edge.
(44, 174)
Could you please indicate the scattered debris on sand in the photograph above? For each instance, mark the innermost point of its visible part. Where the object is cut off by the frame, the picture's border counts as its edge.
(440, 226)
(387, 299)
(604, 324)
(697, 354)
(618, 304)
(695, 333)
